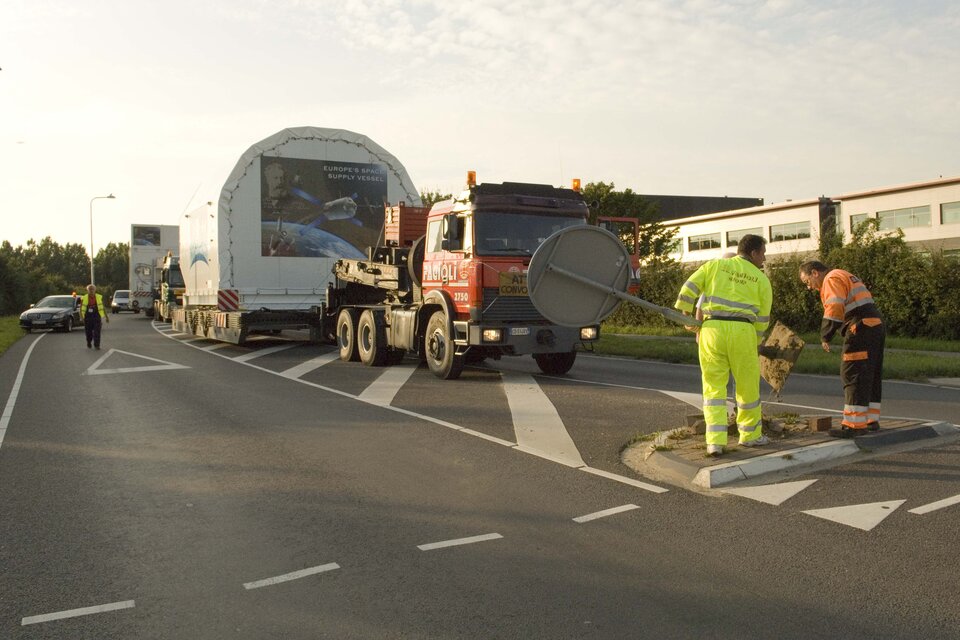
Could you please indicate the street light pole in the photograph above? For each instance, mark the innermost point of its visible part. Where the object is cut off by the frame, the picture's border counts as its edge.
(109, 197)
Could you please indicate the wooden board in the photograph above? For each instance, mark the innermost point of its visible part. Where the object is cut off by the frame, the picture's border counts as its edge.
(789, 345)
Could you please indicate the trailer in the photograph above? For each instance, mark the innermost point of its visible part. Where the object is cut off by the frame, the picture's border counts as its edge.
(260, 259)
(149, 243)
(449, 285)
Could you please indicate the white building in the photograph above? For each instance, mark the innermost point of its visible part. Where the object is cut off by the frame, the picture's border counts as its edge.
(928, 213)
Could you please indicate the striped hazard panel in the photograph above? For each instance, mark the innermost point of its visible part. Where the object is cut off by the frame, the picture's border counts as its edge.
(228, 299)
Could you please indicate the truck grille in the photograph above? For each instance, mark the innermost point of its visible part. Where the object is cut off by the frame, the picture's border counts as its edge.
(497, 308)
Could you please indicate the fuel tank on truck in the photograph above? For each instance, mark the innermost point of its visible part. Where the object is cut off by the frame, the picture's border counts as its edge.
(294, 204)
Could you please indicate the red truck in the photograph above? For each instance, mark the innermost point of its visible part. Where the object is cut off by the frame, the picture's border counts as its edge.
(449, 284)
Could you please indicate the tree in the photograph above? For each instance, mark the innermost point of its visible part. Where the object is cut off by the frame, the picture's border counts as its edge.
(113, 267)
(655, 241)
(429, 198)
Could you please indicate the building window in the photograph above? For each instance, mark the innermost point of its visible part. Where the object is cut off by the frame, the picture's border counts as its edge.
(950, 213)
(706, 241)
(733, 237)
(857, 219)
(904, 218)
(792, 231)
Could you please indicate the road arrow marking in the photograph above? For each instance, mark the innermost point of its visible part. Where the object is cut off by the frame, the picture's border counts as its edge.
(859, 516)
(775, 494)
(95, 369)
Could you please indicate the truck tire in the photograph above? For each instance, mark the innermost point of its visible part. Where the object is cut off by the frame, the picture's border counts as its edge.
(347, 335)
(441, 352)
(555, 364)
(372, 338)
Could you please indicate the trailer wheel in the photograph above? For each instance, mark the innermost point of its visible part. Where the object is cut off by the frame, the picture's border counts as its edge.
(441, 352)
(372, 338)
(555, 364)
(347, 335)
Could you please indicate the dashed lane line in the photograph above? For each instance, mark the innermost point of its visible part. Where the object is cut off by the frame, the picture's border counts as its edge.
(459, 542)
(76, 613)
(263, 352)
(293, 575)
(934, 506)
(605, 513)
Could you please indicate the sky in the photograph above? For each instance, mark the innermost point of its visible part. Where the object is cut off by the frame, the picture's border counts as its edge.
(155, 102)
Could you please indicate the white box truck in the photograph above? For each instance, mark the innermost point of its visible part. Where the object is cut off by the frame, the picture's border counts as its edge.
(260, 259)
(149, 243)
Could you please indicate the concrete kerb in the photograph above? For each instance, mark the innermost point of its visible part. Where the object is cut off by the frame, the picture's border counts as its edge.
(673, 468)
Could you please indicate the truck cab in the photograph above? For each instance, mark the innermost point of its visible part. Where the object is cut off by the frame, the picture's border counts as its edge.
(476, 253)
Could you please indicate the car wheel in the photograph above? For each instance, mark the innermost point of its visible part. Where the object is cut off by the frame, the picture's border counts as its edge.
(68, 326)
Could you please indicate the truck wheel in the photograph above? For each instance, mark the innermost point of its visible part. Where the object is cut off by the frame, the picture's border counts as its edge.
(555, 363)
(372, 339)
(441, 356)
(347, 335)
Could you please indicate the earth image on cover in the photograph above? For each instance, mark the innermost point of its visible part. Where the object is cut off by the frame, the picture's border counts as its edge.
(303, 241)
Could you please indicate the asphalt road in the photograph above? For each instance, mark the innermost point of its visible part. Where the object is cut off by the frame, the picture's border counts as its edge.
(172, 488)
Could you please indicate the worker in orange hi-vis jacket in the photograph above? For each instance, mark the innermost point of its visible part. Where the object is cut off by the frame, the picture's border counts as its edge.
(849, 307)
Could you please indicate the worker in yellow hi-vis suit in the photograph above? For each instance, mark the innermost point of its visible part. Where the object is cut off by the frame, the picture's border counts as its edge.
(736, 312)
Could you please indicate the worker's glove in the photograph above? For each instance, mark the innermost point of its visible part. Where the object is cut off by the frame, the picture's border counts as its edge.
(769, 352)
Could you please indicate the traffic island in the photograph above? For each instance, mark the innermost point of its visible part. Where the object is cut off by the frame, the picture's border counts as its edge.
(679, 456)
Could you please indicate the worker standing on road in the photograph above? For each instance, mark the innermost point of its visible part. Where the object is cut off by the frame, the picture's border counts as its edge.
(93, 313)
(736, 311)
(849, 307)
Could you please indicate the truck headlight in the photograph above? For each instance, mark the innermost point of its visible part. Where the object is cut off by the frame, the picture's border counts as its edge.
(492, 335)
(589, 333)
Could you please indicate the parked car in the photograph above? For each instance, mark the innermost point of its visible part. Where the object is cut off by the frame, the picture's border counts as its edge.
(53, 312)
(121, 302)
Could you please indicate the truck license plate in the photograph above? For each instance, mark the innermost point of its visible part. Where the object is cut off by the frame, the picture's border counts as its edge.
(519, 331)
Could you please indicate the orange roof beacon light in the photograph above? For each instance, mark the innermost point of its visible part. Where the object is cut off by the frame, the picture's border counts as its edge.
(575, 184)
(471, 178)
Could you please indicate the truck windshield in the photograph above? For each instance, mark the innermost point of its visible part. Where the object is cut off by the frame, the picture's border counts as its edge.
(175, 277)
(500, 233)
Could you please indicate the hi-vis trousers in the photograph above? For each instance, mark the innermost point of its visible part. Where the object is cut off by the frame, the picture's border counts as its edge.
(861, 372)
(730, 347)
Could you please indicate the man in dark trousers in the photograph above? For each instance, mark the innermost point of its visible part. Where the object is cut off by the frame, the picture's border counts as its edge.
(93, 313)
(849, 308)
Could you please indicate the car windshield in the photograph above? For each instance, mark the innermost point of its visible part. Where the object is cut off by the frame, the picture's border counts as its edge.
(57, 302)
(121, 294)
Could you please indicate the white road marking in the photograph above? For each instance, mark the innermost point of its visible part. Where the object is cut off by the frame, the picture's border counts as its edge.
(460, 541)
(859, 516)
(216, 345)
(939, 504)
(606, 512)
(693, 399)
(450, 425)
(263, 352)
(15, 391)
(774, 494)
(295, 575)
(535, 420)
(75, 613)
(304, 368)
(95, 369)
(630, 481)
(383, 390)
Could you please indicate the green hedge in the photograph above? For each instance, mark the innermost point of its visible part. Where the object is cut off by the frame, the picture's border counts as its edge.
(918, 293)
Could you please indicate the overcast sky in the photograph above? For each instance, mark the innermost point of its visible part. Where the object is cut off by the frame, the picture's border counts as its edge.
(156, 101)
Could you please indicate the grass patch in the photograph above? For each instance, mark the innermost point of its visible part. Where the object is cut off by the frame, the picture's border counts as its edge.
(10, 331)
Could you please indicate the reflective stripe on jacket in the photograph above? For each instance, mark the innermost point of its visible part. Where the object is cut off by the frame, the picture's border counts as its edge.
(732, 288)
(845, 300)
